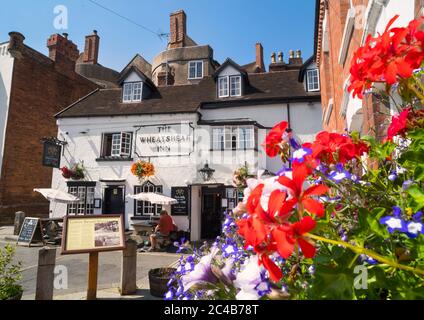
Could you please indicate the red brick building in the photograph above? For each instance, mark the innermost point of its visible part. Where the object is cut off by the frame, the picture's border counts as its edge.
(33, 87)
(341, 26)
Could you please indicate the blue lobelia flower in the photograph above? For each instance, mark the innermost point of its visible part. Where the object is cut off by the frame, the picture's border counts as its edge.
(407, 184)
(339, 174)
(394, 222)
(415, 227)
(392, 176)
(300, 154)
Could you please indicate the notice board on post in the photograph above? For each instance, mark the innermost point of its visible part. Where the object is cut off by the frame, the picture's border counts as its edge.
(31, 231)
(87, 234)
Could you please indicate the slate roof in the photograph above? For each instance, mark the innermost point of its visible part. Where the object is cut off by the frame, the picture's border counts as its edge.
(274, 87)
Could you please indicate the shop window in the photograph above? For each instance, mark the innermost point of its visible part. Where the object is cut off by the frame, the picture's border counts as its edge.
(86, 203)
(144, 208)
(117, 145)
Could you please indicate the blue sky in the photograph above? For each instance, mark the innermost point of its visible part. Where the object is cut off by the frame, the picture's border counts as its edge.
(231, 27)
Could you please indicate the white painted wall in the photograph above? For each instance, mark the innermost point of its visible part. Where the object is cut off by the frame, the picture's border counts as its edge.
(404, 8)
(6, 73)
(133, 77)
(229, 71)
(84, 136)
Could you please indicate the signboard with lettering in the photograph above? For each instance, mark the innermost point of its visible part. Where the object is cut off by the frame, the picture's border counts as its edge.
(181, 195)
(30, 231)
(51, 154)
(165, 140)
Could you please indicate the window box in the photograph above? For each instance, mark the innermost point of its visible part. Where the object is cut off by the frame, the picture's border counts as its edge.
(112, 159)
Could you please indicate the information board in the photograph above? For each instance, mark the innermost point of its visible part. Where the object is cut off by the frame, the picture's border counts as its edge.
(86, 234)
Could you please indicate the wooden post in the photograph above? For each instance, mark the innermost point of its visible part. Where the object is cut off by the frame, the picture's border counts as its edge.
(129, 269)
(19, 220)
(45, 274)
(93, 268)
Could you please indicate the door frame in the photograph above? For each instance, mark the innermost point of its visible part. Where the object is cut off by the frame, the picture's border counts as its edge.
(123, 187)
(210, 190)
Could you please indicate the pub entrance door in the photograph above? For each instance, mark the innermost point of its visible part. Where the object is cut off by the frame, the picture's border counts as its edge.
(114, 201)
(212, 212)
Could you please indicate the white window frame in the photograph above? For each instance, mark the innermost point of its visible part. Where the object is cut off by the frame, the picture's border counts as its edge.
(223, 91)
(121, 144)
(86, 204)
(308, 72)
(222, 138)
(195, 64)
(147, 208)
(132, 92)
(237, 89)
(227, 91)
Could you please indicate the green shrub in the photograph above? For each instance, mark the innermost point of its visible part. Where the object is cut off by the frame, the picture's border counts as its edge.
(10, 274)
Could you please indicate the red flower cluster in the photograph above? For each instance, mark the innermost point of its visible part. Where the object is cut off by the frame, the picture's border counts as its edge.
(66, 173)
(271, 231)
(332, 148)
(398, 124)
(275, 138)
(390, 57)
(276, 229)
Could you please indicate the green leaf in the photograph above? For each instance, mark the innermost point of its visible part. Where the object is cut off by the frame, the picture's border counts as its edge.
(419, 173)
(418, 195)
(373, 220)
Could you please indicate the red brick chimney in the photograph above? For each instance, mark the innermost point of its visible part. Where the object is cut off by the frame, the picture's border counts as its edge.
(91, 50)
(16, 43)
(260, 57)
(63, 52)
(178, 29)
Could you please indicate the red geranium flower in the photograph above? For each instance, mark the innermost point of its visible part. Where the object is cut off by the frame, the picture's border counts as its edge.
(304, 197)
(390, 57)
(274, 139)
(398, 124)
(287, 236)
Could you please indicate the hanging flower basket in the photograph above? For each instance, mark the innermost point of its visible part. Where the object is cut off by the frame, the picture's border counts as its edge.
(143, 169)
(240, 177)
(76, 172)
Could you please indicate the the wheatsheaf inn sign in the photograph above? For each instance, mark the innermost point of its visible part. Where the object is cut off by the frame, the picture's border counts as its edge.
(165, 140)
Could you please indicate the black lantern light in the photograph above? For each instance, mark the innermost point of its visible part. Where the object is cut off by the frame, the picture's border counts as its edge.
(206, 172)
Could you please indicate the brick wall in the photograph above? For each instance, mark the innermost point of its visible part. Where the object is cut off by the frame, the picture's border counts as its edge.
(332, 73)
(38, 92)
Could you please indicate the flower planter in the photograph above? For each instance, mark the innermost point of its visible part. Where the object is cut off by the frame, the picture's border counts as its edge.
(16, 297)
(158, 279)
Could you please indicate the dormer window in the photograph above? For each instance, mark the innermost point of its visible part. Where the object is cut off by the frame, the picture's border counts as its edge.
(229, 86)
(132, 92)
(312, 80)
(195, 70)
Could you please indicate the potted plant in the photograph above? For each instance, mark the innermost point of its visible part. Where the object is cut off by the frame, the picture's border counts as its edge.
(143, 169)
(10, 275)
(158, 280)
(76, 172)
(240, 176)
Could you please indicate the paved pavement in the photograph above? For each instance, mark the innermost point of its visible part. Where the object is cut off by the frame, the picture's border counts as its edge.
(77, 265)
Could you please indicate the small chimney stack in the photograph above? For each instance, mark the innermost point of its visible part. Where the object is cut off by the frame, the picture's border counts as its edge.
(280, 56)
(91, 49)
(296, 60)
(260, 57)
(279, 65)
(64, 53)
(16, 43)
(178, 29)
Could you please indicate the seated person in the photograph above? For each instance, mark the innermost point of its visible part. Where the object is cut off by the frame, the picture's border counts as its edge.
(162, 231)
